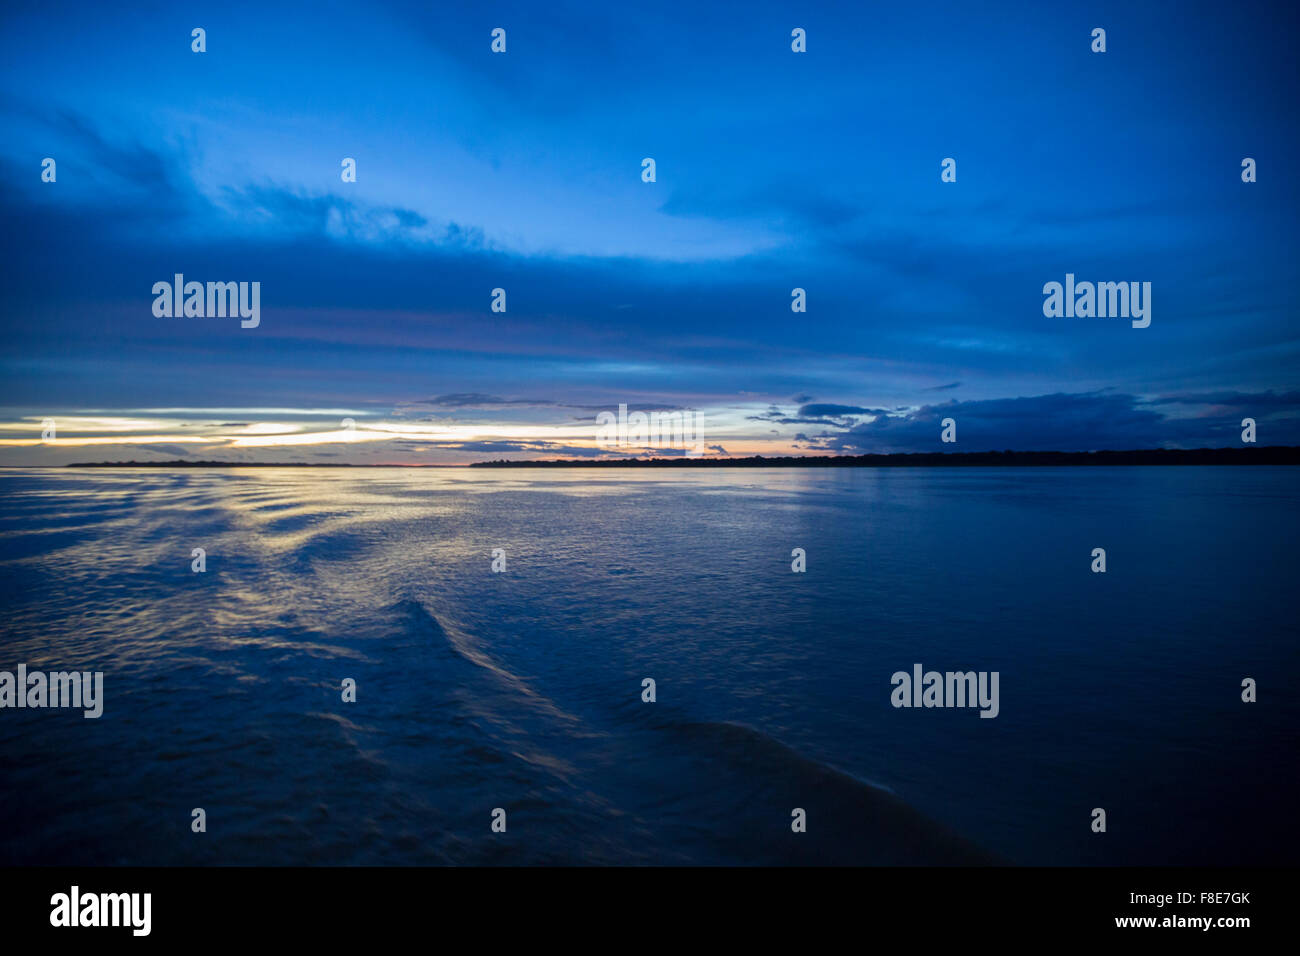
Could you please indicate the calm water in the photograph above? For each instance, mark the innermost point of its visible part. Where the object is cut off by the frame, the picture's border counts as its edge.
(522, 690)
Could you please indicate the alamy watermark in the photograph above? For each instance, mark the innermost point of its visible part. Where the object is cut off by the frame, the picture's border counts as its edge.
(662, 429)
(950, 689)
(218, 300)
(82, 689)
(75, 908)
(1105, 300)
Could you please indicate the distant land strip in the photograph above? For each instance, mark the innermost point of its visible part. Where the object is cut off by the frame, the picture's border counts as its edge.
(1267, 455)
(1270, 455)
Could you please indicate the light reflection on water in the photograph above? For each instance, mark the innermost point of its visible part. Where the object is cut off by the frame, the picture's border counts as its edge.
(522, 690)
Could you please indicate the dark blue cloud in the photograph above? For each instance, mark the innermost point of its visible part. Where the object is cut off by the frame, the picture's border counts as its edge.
(1064, 422)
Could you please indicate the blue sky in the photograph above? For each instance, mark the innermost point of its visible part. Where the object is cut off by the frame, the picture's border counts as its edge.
(522, 171)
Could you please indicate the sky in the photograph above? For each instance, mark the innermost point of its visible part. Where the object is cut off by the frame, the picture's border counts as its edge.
(775, 170)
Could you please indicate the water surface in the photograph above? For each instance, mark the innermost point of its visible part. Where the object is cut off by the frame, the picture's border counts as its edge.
(522, 690)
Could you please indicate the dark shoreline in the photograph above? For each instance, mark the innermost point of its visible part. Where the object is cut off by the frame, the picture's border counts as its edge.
(1269, 455)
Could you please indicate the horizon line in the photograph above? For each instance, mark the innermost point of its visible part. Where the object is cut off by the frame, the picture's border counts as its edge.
(1266, 454)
